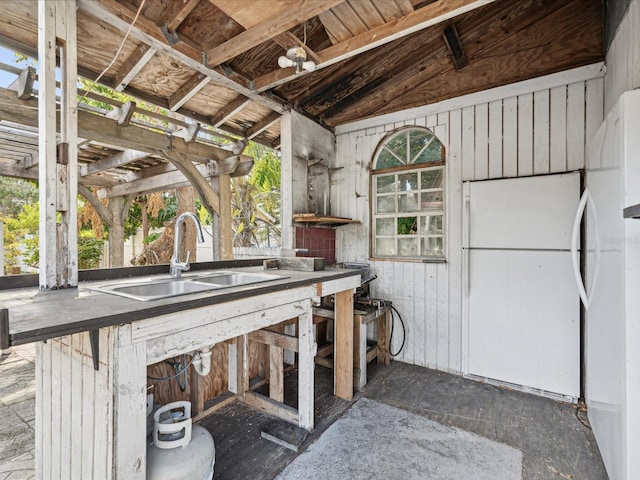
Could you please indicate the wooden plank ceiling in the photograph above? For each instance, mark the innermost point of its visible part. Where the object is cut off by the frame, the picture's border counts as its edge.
(216, 61)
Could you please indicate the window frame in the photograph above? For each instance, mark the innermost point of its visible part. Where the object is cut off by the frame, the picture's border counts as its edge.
(374, 174)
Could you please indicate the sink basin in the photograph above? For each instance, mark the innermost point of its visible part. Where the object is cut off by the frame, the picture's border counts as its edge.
(232, 279)
(146, 291)
(155, 290)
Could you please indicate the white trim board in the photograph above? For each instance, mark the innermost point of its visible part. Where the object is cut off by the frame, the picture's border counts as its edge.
(566, 77)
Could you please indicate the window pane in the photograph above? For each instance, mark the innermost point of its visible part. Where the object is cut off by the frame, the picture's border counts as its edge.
(433, 153)
(386, 205)
(387, 160)
(431, 224)
(432, 200)
(385, 246)
(431, 178)
(398, 145)
(408, 203)
(386, 184)
(408, 247)
(407, 225)
(432, 247)
(408, 182)
(417, 140)
(384, 226)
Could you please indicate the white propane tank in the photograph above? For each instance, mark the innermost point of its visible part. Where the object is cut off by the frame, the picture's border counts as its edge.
(180, 450)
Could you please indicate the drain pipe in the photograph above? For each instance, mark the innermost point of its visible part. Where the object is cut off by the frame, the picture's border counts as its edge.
(202, 361)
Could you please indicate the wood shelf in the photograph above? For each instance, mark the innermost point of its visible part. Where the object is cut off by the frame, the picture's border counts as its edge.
(322, 219)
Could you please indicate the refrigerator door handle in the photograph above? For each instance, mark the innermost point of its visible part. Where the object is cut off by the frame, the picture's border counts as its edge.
(585, 200)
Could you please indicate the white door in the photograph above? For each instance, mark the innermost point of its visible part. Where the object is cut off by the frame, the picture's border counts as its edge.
(523, 305)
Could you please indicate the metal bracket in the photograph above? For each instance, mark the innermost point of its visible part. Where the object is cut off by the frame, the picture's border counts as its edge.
(172, 37)
(94, 338)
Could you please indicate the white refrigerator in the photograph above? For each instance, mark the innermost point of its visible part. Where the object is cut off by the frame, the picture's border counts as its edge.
(522, 306)
(613, 287)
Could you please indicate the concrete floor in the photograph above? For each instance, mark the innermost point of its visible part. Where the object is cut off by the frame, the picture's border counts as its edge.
(17, 413)
(554, 443)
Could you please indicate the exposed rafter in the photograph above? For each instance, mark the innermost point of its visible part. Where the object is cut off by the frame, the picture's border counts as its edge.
(176, 12)
(132, 66)
(262, 125)
(187, 91)
(422, 18)
(232, 108)
(114, 161)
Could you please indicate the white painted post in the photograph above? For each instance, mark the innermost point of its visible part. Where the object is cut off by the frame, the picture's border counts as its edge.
(57, 176)
(307, 349)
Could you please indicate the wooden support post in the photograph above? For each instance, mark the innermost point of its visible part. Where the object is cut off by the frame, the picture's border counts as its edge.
(226, 231)
(384, 332)
(58, 175)
(242, 366)
(307, 349)
(343, 342)
(359, 352)
(276, 373)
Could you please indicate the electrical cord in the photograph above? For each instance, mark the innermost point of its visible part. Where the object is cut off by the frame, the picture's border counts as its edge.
(404, 331)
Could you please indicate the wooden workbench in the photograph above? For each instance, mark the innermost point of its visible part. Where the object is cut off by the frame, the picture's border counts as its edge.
(92, 423)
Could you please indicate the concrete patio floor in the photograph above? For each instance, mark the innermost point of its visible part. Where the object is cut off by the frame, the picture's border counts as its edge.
(17, 413)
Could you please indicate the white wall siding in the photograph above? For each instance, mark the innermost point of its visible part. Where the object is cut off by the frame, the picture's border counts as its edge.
(623, 57)
(522, 133)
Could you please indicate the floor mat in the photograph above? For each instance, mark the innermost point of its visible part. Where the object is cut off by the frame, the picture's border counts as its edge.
(377, 441)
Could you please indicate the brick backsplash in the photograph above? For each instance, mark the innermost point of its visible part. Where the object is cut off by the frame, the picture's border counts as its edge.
(321, 242)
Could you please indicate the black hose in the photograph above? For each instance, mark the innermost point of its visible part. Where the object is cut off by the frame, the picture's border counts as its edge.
(404, 331)
(161, 379)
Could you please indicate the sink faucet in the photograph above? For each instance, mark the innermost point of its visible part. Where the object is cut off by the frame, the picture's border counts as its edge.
(176, 267)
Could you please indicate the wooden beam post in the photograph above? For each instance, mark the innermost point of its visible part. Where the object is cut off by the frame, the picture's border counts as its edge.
(58, 168)
(343, 344)
(226, 226)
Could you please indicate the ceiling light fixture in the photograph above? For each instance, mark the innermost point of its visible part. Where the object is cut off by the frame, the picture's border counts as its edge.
(296, 57)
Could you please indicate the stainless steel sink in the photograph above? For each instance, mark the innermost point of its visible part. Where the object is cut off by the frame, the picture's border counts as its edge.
(146, 291)
(155, 290)
(232, 279)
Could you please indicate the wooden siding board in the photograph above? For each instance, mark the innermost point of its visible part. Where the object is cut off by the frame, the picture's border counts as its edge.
(541, 132)
(510, 137)
(431, 314)
(594, 107)
(481, 167)
(468, 143)
(525, 135)
(575, 130)
(495, 139)
(558, 129)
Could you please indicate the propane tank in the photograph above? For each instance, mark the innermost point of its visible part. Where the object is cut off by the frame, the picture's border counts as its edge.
(179, 450)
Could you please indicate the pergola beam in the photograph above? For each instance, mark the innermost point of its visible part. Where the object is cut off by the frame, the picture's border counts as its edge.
(113, 161)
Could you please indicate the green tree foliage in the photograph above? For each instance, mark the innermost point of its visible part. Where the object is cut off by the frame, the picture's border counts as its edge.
(256, 200)
(14, 194)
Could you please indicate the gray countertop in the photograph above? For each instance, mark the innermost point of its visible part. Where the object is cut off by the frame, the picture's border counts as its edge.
(35, 315)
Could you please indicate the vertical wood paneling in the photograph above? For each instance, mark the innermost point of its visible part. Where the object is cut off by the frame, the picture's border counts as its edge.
(525, 135)
(576, 129)
(76, 406)
(558, 130)
(510, 137)
(57, 409)
(481, 169)
(468, 143)
(495, 139)
(541, 132)
(88, 402)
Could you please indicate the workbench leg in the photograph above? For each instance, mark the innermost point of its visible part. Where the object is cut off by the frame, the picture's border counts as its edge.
(343, 345)
(383, 328)
(307, 348)
(242, 366)
(276, 373)
(359, 353)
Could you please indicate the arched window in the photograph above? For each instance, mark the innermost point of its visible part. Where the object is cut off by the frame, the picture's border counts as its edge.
(408, 211)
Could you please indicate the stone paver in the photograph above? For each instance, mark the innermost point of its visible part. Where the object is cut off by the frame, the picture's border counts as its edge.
(17, 414)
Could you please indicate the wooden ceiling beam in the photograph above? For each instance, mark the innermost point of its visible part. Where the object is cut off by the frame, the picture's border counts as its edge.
(132, 66)
(15, 170)
(113, 161)
(267, 29)
(232, 108)
(188, 90)
(176, 12)
(119, 16)
(417, 20)
(262, 125)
